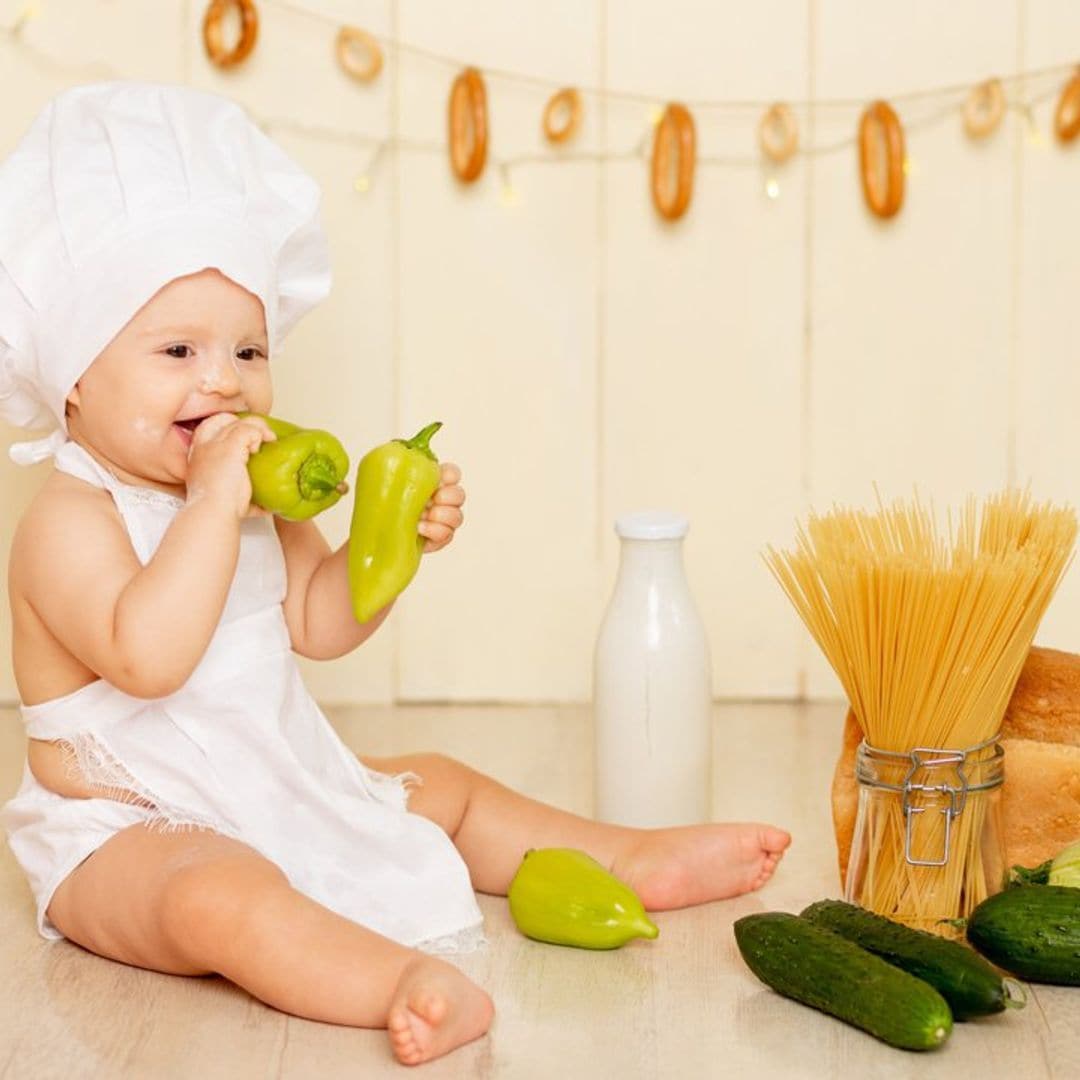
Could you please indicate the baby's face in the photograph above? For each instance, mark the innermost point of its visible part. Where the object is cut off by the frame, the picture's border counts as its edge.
(198, 347)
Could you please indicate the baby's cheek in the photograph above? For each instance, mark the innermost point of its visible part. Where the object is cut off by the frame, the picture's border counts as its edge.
(258, 392)
(147, 430)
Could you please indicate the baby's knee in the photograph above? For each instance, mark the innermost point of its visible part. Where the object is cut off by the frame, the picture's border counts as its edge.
(435, 767)
(207, 903)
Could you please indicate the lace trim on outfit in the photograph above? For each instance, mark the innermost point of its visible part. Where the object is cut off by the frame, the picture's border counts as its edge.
(89, 760)
(149, 496)
(469, 940)
(107, 480)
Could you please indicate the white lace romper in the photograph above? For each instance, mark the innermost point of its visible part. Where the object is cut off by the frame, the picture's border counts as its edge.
(241, 748)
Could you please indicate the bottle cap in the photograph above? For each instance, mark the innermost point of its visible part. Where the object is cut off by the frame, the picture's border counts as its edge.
(652, 525)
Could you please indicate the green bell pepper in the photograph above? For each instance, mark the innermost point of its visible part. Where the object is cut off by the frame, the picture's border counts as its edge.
(393, 485)
(298, 475)
(565, 897)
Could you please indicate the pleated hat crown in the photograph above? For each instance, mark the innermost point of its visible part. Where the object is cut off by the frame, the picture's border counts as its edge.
(117, 189)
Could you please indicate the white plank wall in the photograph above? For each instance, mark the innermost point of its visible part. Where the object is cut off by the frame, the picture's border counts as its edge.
(762, 356)
(1046, 274)
(497, 338)
(910, 318)
(703, 343)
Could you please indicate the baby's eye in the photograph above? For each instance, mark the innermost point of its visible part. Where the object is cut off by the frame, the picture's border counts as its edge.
(180, 352)
(251, 352)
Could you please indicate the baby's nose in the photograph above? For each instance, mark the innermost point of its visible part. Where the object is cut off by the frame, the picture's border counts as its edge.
(218, 375)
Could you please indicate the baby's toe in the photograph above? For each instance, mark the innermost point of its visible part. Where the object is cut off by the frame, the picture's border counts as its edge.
(774, 841)
(768, 866)
(397, 1023)
(402, 1040)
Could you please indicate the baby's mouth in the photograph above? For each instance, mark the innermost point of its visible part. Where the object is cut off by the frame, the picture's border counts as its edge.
(190, 423)
(186, 427)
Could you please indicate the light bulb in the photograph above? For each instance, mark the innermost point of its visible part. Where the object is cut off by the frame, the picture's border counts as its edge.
(362, 184)
(772, 188)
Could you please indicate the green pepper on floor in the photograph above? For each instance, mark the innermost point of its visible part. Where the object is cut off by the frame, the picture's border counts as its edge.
(393, 485)
(565, 897)
(298, 475)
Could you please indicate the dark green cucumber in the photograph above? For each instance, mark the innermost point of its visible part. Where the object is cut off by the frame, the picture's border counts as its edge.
(962, 977)
(1032, 931)
(821, 969)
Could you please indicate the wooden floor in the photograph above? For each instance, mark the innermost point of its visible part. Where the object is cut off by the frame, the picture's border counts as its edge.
(683, 1006)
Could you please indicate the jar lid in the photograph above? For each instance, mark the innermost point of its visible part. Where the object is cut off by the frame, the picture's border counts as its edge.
(652, 525)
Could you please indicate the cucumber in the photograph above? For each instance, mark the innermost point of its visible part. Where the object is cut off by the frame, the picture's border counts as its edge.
(1032, 931)
(962, 977)
(821, 969)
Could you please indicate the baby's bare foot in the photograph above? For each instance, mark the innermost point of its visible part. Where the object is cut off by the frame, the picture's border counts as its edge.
(673, 868)
(435, 1008)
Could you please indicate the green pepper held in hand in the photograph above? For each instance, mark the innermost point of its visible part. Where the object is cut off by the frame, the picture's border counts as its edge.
(393, 485)
(298, 475)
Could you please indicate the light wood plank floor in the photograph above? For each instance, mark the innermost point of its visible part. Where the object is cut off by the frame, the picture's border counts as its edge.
(683, 1006)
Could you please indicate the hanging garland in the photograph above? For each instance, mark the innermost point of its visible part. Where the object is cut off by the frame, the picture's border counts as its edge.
(674, 154)
(879, 137)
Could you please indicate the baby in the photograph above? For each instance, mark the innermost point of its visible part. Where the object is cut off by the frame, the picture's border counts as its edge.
(185, 806)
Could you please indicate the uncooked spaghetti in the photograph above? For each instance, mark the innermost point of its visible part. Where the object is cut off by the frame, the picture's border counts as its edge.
(927, 634)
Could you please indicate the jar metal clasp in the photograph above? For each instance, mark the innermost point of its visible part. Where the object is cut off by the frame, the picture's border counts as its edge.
(914, 790)
(956, 797)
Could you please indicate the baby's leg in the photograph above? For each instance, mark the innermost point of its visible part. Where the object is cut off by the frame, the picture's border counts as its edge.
(192, 902)
(493, 826)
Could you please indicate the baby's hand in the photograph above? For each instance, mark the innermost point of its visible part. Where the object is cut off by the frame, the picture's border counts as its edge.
(217, 461)
(443, 515)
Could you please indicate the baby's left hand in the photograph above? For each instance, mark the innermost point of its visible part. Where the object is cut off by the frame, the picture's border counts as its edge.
(443, 516)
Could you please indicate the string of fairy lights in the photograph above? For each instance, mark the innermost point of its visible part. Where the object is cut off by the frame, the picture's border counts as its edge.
(668, 143)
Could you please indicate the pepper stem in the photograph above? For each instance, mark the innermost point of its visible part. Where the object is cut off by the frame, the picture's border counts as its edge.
(317, 477)
(421, 439)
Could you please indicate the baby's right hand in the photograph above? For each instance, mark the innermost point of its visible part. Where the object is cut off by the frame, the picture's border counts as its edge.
(217, 461)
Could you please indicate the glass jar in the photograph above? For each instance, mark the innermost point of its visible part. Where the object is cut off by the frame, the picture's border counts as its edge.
(928, 844)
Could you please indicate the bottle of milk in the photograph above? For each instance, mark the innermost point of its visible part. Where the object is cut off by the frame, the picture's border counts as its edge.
(652, 687)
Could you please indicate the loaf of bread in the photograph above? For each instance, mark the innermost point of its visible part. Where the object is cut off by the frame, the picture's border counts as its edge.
(1041, 738)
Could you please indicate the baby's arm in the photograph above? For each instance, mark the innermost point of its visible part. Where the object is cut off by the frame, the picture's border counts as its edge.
(318, 607)
(144, 629)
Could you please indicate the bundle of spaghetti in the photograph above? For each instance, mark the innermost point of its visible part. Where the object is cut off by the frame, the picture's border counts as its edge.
(927, 634)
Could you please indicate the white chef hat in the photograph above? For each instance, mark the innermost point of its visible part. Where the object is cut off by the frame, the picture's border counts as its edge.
(117, 189)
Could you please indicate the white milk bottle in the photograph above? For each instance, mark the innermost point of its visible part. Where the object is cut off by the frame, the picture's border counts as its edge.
(652, 684)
